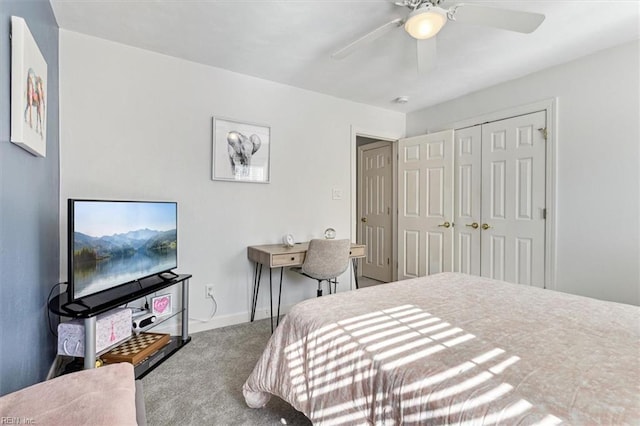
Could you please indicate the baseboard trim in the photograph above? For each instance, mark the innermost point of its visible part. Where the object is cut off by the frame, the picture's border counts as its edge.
(234, 319)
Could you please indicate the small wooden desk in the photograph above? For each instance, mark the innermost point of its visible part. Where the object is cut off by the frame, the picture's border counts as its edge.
(279, 256)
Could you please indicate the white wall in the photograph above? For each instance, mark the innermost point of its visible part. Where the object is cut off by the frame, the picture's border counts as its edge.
(598, 162)
(138, 125)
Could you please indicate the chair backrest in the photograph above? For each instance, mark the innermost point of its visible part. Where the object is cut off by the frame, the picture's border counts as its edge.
(326, 259)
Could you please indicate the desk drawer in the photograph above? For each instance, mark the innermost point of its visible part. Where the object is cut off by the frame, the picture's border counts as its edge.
(357, 251)
(287, 259)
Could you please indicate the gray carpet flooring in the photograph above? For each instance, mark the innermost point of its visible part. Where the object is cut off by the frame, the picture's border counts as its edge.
(201, 384)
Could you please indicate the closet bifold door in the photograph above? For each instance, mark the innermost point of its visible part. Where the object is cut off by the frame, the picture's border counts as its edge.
(467, 200)
(425, 205)
(513, 199)
(499, 199)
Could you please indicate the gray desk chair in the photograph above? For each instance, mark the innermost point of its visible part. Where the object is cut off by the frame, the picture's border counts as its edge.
(325, 260)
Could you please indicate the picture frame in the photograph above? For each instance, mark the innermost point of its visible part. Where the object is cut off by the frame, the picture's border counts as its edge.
(28, 91)
(162, 305)
(241, 151)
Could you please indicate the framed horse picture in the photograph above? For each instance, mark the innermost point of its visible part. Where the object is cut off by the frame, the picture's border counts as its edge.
(28, 90)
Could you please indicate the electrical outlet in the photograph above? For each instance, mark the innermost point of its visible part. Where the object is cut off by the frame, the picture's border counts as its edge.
(208, 291)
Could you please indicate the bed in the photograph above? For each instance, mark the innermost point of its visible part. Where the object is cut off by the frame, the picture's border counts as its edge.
(454, 349)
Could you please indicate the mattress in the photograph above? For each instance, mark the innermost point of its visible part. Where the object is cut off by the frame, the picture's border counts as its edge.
(454, 349)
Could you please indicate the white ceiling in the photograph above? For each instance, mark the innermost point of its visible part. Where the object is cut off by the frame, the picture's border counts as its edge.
(290, 41)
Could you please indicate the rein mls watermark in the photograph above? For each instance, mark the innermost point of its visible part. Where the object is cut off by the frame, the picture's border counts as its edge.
(17, 421)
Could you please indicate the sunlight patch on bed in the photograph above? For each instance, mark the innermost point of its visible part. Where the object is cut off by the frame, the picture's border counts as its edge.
(511, 411)
(405, 313)
(369, 322)
(387, 333)
(434, 327)
(319, 357)
(403, 348)
(333, 375)
(435, 378)
(504, 364)
(458, 340)
(310, 337)
(466, 405)
(447, 333)
(481, 359)
(550, 420)
(355, 351)
(347, 381)
(391, 342)
(413, 357)
(450, 391)
(377, 327)
(344, 322)
(340, 408)
(328, 366)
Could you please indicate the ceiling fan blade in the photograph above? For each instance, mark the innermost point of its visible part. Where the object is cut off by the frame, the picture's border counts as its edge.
(367, 38)
(426, 55)
(512, 20)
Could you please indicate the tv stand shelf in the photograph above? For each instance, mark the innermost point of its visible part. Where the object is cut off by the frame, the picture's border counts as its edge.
(87, 308)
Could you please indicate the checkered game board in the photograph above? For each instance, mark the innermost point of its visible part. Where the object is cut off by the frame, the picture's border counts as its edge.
(137, 349)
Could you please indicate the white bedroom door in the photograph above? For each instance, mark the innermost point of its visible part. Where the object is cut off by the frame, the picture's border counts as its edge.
(425, 204)
(375, 209)
(513, 199)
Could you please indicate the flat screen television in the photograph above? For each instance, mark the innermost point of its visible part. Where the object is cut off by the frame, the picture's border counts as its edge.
(111, 243)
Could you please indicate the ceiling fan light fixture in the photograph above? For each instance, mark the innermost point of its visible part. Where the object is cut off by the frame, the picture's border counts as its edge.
(425, 22)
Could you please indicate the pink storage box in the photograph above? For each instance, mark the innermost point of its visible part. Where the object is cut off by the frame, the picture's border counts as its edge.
(111, 328)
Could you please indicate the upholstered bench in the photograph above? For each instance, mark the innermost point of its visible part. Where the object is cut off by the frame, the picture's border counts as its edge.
(108, 395)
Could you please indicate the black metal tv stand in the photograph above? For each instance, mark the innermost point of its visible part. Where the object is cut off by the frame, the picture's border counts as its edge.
(89, 307)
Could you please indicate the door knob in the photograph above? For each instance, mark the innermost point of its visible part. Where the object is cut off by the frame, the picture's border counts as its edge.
(474, 225)
(445, 225)
(363, 219)
(485, 226)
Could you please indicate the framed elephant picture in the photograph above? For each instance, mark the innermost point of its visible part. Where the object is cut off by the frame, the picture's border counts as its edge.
(28, 90)
(241, 151)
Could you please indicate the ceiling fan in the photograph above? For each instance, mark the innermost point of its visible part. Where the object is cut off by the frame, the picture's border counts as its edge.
(427, 18)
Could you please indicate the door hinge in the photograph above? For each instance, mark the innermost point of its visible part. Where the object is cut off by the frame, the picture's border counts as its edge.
(544, 132)
(544, 213)
(388, 261)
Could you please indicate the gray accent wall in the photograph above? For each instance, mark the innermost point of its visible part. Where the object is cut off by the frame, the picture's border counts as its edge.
(29, 214)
